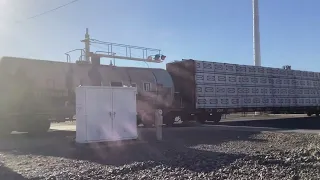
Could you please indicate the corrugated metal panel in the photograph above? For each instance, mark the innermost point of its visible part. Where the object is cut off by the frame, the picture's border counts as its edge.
(222, 85)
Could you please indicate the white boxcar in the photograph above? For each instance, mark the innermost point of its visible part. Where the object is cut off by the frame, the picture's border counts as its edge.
(223, 87)
(253, 86)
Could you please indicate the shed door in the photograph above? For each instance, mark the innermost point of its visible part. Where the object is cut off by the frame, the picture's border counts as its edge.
(99, 119)
(125, 116)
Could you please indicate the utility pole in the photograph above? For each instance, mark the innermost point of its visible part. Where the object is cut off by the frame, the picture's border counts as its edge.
(256, 37)
(256, 34)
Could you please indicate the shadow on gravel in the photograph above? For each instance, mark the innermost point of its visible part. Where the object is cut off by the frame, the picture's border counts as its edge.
(8, 174)
(285, 123)
(174, 151)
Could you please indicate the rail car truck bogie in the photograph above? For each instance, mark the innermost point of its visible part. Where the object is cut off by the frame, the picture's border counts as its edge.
(20, 109)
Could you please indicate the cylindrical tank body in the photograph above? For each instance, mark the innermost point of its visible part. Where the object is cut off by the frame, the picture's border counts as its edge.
(54, 83)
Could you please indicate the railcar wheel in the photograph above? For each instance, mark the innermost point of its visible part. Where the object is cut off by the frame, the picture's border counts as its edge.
(147, 120)
(215, 118)
(169, 119)
(5, 128)
(201, 118)
(43, 126)
(34, 125)
(147, 124)
(139, 121)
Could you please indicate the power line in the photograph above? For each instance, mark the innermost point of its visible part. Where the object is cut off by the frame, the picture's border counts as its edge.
(51, 10)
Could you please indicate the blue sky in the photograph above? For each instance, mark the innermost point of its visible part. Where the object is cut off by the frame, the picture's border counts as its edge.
(212, 30)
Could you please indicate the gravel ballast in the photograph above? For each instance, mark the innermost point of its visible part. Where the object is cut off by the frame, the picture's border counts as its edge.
(185, 153)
